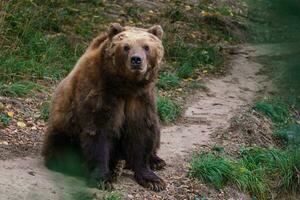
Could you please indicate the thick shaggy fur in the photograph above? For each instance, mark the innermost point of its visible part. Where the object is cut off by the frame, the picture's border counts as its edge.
(108, 110)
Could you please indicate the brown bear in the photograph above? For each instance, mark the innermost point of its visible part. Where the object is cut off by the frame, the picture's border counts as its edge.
(106, 105)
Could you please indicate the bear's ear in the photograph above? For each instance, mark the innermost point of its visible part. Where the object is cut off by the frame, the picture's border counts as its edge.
(114, 29)
(157, 31)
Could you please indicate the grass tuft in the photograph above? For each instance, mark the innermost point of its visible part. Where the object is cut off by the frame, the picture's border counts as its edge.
(113, 196)
(44, 109)
(19, 89)
(256, 171)
(276, 110)
(211, 169)
(188, 58)
(168, 81)
(167, 109)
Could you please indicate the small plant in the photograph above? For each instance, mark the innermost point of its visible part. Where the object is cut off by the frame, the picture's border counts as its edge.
(212, 169)
(190, 58)
(44, 109)
(113, 196)
(290, 170)
(218, 148)
(5, 119)
(168, 81)
(19, 89)
(168, 110)
(276, 110)
(175, 14)
(256, 171)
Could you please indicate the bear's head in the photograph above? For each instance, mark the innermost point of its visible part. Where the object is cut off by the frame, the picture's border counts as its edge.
(135, 53)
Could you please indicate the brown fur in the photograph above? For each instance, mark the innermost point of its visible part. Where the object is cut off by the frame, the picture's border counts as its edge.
(108, 109)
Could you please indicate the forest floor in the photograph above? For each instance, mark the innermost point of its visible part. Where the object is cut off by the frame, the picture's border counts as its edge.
(205, 113)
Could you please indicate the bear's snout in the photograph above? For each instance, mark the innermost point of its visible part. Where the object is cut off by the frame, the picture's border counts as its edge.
(136, 62)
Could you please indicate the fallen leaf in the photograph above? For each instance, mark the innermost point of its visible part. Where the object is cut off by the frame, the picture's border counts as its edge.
(2, 106)
(10, 114)
(21, 124)
(3, 142)
(188, 7)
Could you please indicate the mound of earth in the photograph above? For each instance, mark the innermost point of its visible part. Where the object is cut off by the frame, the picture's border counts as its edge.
(249, 128)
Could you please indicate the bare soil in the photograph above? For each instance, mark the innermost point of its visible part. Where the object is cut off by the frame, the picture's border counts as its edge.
(206, 112)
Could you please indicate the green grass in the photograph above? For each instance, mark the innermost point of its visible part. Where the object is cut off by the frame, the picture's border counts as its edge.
(190, 58)
(212, 169)
(168, 81)
(113, 196)
(175, 14)
(276, 110)
(4, 118)
(44, 110)
(256, 171)
(168, 110)
(20, 88)
(36, 40)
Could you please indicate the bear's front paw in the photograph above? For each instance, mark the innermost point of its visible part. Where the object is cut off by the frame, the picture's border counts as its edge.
(150, 180)
(156, 163)
(100, 181)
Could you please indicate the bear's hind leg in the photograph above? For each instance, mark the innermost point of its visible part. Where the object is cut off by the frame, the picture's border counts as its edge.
(96, 149)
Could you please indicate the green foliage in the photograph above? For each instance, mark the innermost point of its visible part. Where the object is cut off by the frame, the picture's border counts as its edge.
(134, 12)
(212, 169)
(290, 170)
(218, 148)
(44, 109)
(5, 119)
(175, 14)
(19, 89)
(188, 58)
(256, 171)
(279, 165)
(168, 81)
(276, 110)
(35, 43)
(167, 109)
(113, 196)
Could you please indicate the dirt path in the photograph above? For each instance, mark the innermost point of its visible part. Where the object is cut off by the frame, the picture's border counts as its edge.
(27, 178)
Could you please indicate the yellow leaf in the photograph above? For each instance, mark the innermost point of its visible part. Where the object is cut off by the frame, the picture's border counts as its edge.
(298, 122)
(205, 71)
(3, 142)
(21, 124)
(10, 114)
(2, 106)
(188, 7)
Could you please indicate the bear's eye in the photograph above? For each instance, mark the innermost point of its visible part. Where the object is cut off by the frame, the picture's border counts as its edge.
(147, 48)
(126, 48)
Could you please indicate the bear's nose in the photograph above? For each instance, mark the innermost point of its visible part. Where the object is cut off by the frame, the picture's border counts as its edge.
(136, 61)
